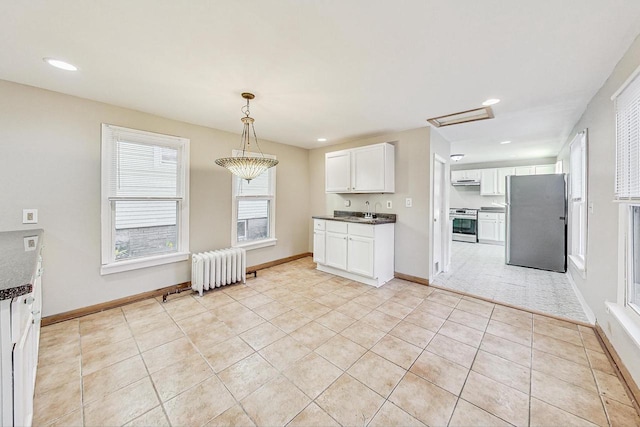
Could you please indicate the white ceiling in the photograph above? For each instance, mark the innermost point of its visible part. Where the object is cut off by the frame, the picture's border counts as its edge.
(336, 69)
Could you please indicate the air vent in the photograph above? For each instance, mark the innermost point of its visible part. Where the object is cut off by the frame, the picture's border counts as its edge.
(462, 117)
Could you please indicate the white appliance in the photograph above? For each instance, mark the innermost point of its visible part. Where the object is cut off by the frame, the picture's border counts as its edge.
(537, 222)
(464, 223)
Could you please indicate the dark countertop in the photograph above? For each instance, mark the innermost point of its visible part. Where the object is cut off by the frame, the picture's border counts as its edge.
(18, 261)
(358, 217)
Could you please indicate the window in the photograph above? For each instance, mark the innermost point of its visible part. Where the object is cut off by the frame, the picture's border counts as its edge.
(627, 189)
(145, 208)
(578, 199)
(254, 208)
(633, 290)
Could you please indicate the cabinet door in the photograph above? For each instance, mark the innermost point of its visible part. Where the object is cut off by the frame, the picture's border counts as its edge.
(24, 366)
(488, 182)
(319, 247)
(501, 228)
(545, 169)
(472, 174)
(336, 250)
(525, 170)
(338, 172)
(503, 173)
(368, 169)
(487, 229)
(457, 175)
(360, 256)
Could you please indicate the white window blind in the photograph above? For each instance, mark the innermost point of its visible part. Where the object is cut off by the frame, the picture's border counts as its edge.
(627, 106)
(577, 159)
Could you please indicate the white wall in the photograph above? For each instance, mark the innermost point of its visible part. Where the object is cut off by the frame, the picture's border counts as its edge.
(412, 167)
(601, 281)
(50, 160)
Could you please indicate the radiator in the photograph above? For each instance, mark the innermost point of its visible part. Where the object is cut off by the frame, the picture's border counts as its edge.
(218, 268)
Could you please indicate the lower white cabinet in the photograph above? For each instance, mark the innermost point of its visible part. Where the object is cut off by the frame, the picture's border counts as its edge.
(360, 252)
(491, 227)
(19, 342)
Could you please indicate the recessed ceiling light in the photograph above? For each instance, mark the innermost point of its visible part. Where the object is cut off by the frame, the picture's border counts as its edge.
(322, 139)
(491, 101)
(505, 142)
(60, 64)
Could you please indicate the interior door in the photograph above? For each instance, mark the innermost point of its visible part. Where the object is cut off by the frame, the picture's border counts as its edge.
(438, 216)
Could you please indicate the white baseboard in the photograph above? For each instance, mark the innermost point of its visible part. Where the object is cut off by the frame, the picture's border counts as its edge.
(587, 310)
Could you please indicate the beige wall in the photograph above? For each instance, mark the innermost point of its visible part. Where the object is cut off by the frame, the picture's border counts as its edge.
(412, 167)
(601, 281)
(50, 160)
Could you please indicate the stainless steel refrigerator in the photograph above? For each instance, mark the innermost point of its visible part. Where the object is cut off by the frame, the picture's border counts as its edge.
(536, 221)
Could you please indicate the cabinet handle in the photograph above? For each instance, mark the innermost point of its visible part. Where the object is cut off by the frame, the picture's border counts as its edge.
(344, 238)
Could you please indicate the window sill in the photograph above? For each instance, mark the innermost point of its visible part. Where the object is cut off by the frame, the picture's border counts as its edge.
(257, 245)
(578, 263)
(630, 321)
(134, 264)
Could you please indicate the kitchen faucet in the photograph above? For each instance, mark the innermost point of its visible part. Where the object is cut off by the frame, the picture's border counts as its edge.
(368, 214)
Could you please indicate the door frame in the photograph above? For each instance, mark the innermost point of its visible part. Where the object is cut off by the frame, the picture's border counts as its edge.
(444, 222)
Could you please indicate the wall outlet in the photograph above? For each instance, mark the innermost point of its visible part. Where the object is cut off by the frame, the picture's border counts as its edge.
(389, 204)
(30, 216)
(347, 203)
(408, 202)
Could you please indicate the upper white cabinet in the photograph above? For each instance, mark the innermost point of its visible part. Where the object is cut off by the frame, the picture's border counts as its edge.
(488, 182)
(338, 172)
(466, 175)
(502, 176)
(369, 169)
(525, 170)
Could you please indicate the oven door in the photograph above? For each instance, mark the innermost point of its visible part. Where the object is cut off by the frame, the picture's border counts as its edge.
(465, 229)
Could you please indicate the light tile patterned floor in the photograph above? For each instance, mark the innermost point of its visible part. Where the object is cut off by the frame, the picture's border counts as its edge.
(299, 347)
(479, 269)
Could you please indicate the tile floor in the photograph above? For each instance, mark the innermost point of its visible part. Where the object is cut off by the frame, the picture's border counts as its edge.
(299, 347)
(479, 269)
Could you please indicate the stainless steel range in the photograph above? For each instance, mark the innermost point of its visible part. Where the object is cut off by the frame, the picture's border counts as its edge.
(464, 223)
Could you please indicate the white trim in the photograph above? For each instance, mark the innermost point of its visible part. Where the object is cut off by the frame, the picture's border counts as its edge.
(578, 263)
(257, 244)
(625, 84)
(628, 323)
(134, 264)
(587, 310)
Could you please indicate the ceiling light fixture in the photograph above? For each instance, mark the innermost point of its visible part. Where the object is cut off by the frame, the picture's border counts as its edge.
(247, 166)
(490, 101)
(456, 157)
(476, 114)
(505, 142)
(60, 64)
(322, 139)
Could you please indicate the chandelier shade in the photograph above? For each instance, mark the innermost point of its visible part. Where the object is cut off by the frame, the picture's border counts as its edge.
(247, 165)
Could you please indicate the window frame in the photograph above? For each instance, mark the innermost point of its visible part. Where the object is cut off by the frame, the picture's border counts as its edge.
(109, 264)
(578, 252)
(621, 310)
(235, 198)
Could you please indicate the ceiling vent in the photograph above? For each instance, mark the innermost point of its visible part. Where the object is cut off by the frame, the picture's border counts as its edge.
(462, 117)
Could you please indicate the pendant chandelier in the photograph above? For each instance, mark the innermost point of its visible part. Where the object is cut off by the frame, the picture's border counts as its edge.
(247, 166)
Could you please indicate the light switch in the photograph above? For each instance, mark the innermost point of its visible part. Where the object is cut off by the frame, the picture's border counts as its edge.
(408, 202)
(389, 204)
(30, 216)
